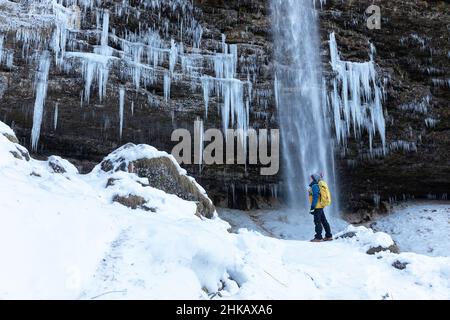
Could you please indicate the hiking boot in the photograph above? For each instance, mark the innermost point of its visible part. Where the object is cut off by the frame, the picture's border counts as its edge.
(316, 240)
(328, 239)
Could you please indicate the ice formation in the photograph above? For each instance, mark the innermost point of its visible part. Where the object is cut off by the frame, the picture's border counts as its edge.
(144, 56)
(2, 39)
(198, 142)
(166, 86)
(41, 84)
(121, 108)
(422, 106)
(356, 98)
(431, 122)
(55, 117)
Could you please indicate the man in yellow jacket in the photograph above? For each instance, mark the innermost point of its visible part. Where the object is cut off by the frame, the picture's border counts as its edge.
(317, 211)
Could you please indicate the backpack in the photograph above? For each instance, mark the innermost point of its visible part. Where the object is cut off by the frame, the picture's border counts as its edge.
(325, 195)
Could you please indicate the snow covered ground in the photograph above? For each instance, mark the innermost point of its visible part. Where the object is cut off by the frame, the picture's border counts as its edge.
(62, 237)
(421, 227)
(279, 223)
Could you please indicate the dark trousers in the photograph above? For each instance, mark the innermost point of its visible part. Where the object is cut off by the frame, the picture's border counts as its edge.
(320, 220)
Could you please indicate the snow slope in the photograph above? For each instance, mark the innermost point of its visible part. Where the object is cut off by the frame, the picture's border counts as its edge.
(62, 237)
(421, 227)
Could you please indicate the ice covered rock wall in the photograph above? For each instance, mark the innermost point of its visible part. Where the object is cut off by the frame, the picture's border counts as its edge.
(407, 110)
(132, 71)
(102, 73)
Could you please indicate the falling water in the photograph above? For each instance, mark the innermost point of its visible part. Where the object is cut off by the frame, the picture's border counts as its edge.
(301, 100)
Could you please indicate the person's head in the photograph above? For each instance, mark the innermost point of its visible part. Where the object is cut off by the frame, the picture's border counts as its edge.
(315, 177)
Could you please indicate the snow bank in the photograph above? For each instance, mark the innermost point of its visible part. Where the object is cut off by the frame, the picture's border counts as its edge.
(420, 227)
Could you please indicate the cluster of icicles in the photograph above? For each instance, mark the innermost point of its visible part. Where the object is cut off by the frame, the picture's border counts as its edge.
(145, 59)
(356, 99)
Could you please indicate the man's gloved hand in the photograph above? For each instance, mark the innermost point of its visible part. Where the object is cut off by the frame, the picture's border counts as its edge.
(312, 211)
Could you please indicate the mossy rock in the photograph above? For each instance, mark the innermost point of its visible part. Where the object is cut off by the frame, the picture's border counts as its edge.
(163, 174)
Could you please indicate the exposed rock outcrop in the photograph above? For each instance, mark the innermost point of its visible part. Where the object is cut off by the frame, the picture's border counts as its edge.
(393, 248)
(134, 202)
(161, 172)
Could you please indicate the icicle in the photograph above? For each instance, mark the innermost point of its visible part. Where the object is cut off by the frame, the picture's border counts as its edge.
(105, 29)
(224, 44)
(104, 49)
(421, 106)
(166, 87)
(376, 200)
(94, 67)
(41, 83)
(132, 108)
(2, 39)
(430, 122)
(55, 117)
(10, 60)
(206, 92)
(358, 102)
(198, 142)
(173, 56)
(121, 108)
(197, 36)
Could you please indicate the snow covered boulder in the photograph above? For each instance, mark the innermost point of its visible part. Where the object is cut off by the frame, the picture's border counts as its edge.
(372, 242)
(161, 171)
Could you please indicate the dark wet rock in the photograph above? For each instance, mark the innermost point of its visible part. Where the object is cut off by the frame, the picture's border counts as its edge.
(347, 235)
(56, 167)
(110, 182)
(399, 265)
(133, 202)
(393, 248)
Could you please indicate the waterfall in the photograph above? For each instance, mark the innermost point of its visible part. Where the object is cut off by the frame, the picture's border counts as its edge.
(307, 146)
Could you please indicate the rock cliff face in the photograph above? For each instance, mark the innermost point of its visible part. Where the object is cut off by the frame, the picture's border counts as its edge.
(412, 53)
(156, 81)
